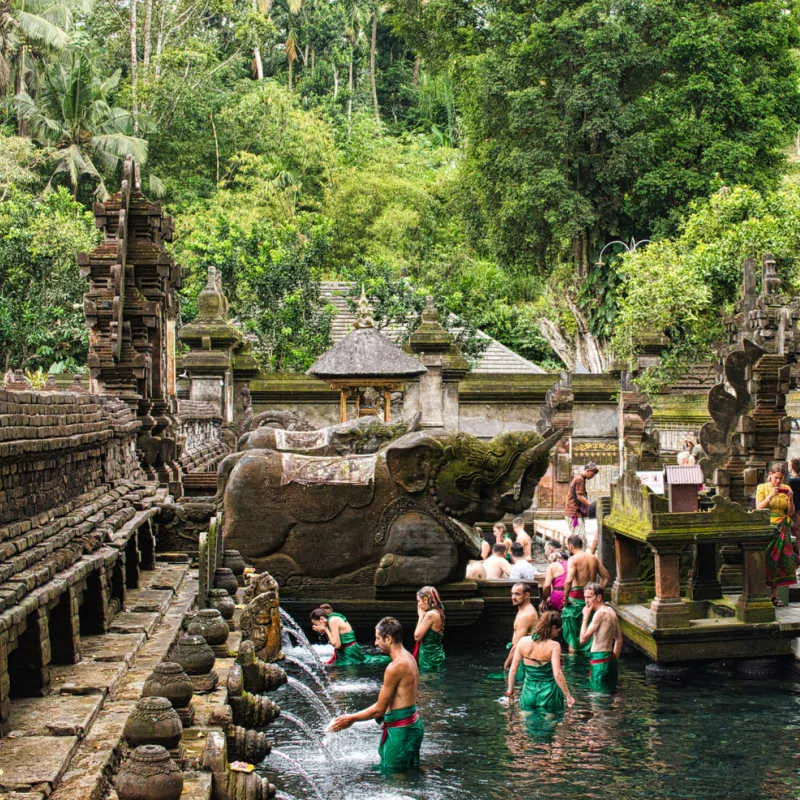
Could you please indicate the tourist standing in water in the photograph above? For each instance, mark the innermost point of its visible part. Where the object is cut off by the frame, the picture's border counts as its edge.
(600, 626)
(346, 650)
(544, 686)
(525, 620)
(582, 568)
(429, 632)
(776, 496)
(554, 578)
(396, 704)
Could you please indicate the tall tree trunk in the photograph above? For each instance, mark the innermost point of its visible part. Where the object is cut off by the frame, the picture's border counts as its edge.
(160, 39)
(257, 50)
(19, 85)
(373, 47)
(134, 65)
(351, 90)
(148, 22)
(335, 82)
(291, 74)
(415, 73)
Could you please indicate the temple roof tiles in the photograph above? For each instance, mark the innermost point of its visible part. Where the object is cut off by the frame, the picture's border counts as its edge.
(496, 359)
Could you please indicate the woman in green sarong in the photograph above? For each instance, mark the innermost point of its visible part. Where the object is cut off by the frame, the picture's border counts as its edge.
(346, 650)
(544, 687)
(429, 632)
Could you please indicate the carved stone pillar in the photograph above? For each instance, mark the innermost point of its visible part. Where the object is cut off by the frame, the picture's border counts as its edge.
(628, 587)
(668, 610)
(754, 604)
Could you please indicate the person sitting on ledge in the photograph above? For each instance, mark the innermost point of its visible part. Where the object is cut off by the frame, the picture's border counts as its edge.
(396, 706)
(496, 567)
(346, 650)
(521, 568)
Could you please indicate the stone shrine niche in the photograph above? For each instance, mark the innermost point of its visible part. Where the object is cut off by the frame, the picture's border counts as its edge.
(130, 310)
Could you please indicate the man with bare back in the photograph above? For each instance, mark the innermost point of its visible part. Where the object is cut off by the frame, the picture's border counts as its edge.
(600, 626)
(525, 620)
(396, 705)
(582, 568)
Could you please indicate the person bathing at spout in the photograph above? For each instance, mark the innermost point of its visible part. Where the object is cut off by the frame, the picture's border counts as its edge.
(346, 650)
(396, 705)
(429, 632)
(544, 686)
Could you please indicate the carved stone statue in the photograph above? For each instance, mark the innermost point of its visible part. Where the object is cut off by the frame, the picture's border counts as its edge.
(362, 435)
(320, 522)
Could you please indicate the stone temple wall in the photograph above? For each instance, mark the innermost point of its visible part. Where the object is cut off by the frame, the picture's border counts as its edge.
(57, 445)
(204, 442)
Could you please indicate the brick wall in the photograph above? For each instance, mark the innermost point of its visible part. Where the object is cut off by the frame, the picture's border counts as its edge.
(57, 445)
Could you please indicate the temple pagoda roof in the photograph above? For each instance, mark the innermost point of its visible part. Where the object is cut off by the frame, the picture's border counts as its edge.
(365, 353)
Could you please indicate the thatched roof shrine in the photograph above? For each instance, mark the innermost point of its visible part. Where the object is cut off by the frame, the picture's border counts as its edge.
(365, 353)
(365, 363)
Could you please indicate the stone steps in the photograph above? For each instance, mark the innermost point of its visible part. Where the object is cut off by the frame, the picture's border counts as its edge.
(67, 745)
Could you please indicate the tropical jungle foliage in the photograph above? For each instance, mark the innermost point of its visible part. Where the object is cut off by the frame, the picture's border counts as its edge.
(564, 175)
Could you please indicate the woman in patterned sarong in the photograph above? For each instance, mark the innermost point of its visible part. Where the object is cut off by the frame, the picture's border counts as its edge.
(776, 496)
(429, 632)
(544, 687)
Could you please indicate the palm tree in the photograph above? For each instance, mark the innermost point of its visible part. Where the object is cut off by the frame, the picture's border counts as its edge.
(72, 114)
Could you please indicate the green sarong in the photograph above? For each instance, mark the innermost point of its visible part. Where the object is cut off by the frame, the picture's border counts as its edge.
(401, 740)
(571, 618)
(603, 670)
(540, 692)
(430, 657)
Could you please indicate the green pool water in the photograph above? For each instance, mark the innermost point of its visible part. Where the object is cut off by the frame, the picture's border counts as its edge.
(713, 737)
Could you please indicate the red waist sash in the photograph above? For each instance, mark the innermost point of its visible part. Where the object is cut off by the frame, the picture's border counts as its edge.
(602, 660)
(398, 723)
(332, 660)
(577, 594)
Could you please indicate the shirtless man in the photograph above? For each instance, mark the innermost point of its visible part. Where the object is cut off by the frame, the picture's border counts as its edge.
(523, 538)
(582, 568)
(496, 567)
(525, 620)
(396, 704)
(601, 626)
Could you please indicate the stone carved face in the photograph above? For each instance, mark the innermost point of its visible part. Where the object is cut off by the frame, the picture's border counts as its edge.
(470, 479)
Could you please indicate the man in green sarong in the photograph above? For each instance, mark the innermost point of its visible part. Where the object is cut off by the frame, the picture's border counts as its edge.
(396, 705)
(582, 568)
(600, 626)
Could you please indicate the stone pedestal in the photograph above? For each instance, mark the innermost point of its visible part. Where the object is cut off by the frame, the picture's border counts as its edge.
(754, 604)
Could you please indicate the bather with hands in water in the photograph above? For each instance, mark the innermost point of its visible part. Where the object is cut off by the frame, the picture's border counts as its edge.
(396, 705)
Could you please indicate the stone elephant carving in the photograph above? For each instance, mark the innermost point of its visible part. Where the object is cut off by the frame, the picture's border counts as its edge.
(400, 516)
(363, 435)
